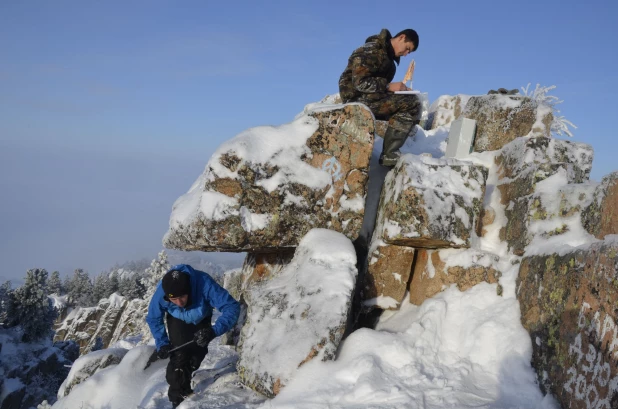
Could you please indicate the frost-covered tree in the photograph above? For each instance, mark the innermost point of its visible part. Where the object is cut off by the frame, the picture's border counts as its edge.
(131, 288)
(81, 289)
(35, 313)
(153, 274)
(66, 284)
(7, 306)
(54, 284)
(101, 288)
(114, 283)
(560, 125)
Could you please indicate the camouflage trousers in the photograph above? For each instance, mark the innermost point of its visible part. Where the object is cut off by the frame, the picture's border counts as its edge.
(402, 111)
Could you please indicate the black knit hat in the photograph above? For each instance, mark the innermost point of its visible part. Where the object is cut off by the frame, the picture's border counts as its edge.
(176, 283)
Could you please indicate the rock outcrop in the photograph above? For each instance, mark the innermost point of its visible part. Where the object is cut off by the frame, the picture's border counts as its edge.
(568, 304)
(265, 189)
(435, 270)
(502, 118)
(299, 313)
(112, 320)
(601, 217)
(431, 203)
(85, 325)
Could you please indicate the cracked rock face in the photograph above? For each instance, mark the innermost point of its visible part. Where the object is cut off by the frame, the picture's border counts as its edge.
(569, 305)
(266, 188)
(431, 203)
(501, 119)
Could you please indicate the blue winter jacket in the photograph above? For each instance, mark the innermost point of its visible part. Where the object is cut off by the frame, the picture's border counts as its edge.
(205, 294)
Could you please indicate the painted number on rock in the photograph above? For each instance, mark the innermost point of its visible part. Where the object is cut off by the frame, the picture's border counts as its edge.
(591, 364)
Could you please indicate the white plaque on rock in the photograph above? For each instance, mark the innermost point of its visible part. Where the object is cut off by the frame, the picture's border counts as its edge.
(460, 138)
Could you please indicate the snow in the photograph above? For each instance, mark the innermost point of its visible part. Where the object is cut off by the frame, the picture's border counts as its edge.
(253, 221)
(80, 368)
(457, 350)
(116, 300)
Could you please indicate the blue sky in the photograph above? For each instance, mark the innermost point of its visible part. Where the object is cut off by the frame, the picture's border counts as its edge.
(110, 110)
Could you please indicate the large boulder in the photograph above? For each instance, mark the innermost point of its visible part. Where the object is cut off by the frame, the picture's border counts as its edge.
(436, 270)
(601, 217)
(524, 162)
(446, 109)
(299, 314)
(502, 118)
(568, 305)
(431, 203)
(267, 187)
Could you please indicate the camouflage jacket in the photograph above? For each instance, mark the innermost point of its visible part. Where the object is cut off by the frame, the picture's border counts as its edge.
(370, 69)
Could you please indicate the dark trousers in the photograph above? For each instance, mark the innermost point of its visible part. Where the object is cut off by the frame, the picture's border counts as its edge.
(400, 110)
(184, 361)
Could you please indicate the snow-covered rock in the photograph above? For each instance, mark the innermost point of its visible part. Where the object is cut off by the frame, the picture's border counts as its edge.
(431, 203)
(80, 325)
(446, 109)
(601, 217)
(436, 270)
(299, 314)
(132, 323)
(257, 267)
(85, 325)
(526, 161)
(568, 304)
(267, 187)
(553, 210)
(502, 118)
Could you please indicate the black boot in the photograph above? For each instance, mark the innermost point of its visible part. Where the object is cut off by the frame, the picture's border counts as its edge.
(393, 140)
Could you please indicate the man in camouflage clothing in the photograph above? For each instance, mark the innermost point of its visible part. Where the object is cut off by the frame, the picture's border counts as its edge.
(367, 79)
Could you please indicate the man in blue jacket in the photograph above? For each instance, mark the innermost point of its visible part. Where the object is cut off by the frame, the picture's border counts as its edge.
(185, 298)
